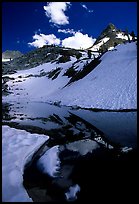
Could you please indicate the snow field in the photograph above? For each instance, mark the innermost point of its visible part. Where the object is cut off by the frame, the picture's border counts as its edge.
(18, 147)
(111, 85)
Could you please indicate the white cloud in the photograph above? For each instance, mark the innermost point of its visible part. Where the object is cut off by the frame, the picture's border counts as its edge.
(38, 31)
(84, 6)
(55, 11)
(70, 31)
(42, 39)
(78, 40)
(90, 11)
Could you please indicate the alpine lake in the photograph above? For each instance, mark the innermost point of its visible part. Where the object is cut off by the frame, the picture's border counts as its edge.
(92, 169)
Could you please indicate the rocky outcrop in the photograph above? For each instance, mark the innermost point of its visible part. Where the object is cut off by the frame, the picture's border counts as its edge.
(109, 38)
(40, 56)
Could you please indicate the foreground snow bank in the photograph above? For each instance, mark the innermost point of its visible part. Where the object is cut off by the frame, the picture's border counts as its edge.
(18, 147)
(111, 85)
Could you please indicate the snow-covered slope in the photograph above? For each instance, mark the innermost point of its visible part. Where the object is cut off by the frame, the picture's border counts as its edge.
(97, 46)
(37, 83)
(111, 85)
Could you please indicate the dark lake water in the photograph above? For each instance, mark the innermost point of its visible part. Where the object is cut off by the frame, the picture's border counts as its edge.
(114, 132)
(117, 127)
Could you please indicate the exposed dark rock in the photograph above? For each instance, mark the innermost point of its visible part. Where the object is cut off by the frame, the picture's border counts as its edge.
(40, 56)
(111, 32)
(86, 70)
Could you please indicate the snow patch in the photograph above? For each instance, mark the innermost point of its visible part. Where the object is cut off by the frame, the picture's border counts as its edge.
(50, 163)
(98, 45)
(123, 36)
(110, 48)
(6, 59)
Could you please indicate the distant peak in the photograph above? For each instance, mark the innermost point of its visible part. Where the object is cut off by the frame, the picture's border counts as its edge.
(110, 25)
(11, 54)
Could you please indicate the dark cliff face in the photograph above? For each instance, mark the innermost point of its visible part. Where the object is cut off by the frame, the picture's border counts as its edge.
(109, 31)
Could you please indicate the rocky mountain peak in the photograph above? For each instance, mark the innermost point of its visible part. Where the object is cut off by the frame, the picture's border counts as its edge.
(109, 31)
(109, 38)
(111, 27)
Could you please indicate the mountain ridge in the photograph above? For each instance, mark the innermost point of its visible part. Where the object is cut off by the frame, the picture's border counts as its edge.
(75, 77)
(110, 85)
(10, 55)
(109, 38)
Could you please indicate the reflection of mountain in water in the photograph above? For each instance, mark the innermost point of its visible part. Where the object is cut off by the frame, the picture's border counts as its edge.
(87, 151)
(66, 124)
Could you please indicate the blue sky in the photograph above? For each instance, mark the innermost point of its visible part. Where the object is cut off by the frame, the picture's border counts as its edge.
(73, 24)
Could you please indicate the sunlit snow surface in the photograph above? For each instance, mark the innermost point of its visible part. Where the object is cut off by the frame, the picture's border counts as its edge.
(27, 87)
(123, 36)
(111, 85)
(18, 147)
(101, 42)
(6, 60)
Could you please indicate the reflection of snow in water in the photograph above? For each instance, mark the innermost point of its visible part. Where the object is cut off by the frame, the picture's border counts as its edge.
(126, 149)
(50, 163)
(118, 127)
(71, 193)
(83, 146)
